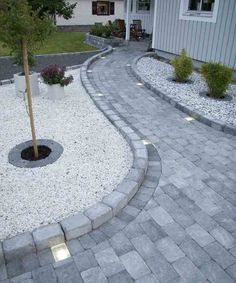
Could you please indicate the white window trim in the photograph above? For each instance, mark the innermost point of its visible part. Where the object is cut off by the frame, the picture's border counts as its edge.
(141, 11)
(209, 17)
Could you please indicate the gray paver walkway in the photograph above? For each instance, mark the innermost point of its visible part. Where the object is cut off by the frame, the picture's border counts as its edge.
(186, 231)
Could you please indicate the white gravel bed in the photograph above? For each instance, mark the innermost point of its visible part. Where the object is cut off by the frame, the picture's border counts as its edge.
(157, 72)
(95, 160)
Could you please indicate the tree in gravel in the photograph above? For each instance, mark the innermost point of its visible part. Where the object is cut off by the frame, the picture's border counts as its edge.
(61, 8)
(22, 30)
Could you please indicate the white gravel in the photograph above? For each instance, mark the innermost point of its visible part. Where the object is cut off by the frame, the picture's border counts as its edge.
(157, 72)
(95, 160)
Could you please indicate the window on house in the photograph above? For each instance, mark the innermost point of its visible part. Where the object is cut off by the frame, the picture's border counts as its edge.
(199, 10)
(103, 8)
(143, 5)
(201, 5)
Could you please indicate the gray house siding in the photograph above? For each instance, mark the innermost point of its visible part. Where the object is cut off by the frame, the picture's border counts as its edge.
(203, 41)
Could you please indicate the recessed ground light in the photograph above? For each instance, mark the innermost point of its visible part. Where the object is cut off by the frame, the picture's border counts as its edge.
(128, 65)
(60, 252)
(100, 94)
(89, 71)
(189, 119)
(140, 84)
(147, 142)
(103, 57)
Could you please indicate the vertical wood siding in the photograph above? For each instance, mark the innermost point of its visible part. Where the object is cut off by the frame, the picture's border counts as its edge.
(203, 41)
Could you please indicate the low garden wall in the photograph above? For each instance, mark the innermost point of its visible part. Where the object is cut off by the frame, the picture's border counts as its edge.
(101, 42)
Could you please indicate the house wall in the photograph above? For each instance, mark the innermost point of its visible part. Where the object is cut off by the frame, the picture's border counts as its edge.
(203, 41)
(146, 18)
(83, 14)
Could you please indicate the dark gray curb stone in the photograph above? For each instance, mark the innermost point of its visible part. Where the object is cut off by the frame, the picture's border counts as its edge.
(83, 222)
(216, 124)
(15, 159)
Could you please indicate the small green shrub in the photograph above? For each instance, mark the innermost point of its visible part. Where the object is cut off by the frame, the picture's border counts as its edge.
(218, 77)
(100, 30)
(183, 66)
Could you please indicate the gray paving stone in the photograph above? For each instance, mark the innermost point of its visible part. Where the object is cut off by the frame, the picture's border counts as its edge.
(48, 236)
(98, 214)
(161, 268)
(121, 244)
(30, 262)
(171, 190)
(220, 255)
(169, 249)
(223, 237)
(134, 264)
(109, 262)
(231, 270)
(153, 230)
(160, 216)
(101, 246)
(195, 253)
(133, 230)
(150, 278)
(225, 221)
(214, 273)
(3, 272)
(74, 246)
(123, 277)
(15, 268)
(128, 187)
(20, 278)
(68, 273)
(94, 275)
(18, 246)
(144, 246)
(76, 226)
(2, 260)
(85, 260)
(176, 232)
(188, 270)
(45, 257)
(87, 242)
(44, 274)
(200, 235)
(98, 236)
(204, 220)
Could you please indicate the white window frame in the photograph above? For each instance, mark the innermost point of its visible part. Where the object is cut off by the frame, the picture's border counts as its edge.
(203, 16)
(142, 11)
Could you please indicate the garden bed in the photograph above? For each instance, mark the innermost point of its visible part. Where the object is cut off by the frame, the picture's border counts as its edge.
(157, 73)
(101, 42)
(95, 159)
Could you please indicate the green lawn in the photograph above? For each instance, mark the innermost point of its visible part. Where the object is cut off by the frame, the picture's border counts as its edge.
(59, 42)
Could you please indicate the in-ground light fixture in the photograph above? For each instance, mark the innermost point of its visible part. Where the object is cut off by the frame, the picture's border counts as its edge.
(60, 252)
(189, 118)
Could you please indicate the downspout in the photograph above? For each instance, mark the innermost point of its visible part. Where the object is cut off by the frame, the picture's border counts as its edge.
(127, 20)
(154, 25)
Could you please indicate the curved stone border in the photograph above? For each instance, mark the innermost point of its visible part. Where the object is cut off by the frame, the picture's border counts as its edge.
(14, 156)
(94, 216)
(216, 124)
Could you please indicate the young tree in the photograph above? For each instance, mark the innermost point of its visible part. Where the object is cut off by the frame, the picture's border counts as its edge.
(61, 8)
(22, 30)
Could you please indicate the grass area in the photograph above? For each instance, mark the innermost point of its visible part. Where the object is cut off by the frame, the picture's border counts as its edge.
(59, 42)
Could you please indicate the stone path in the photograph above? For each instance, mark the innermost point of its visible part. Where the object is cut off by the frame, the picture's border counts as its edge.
(184, 229)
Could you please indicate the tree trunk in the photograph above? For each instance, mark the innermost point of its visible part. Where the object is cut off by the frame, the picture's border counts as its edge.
(29, 96)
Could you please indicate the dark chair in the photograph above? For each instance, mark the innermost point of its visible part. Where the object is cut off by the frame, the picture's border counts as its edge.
(138, 28)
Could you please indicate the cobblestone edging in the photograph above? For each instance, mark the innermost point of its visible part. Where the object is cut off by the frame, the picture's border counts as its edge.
(216, 124)
(75, 226)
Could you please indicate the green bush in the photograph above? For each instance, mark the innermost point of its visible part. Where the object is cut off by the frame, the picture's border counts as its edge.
(100, 30)
(183, 66)
(218, 78)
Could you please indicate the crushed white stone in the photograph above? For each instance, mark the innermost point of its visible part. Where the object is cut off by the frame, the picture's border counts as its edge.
(156, 72)
(95, 160)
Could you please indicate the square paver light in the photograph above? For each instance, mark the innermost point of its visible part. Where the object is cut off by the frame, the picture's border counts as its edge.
(60, 252)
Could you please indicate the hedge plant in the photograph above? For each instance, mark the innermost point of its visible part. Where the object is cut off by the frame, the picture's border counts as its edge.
(183, 67)
(218, 78)
(101, 31)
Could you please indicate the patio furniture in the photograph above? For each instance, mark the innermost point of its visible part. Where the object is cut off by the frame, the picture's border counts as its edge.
(138, 28)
